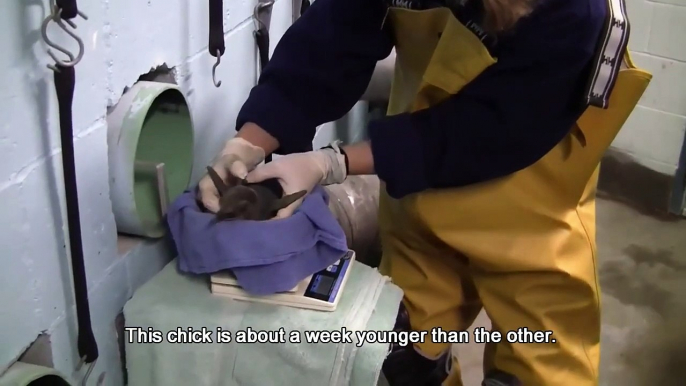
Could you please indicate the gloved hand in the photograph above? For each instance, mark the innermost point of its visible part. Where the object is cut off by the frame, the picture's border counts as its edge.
(237, 159)
(303, 171)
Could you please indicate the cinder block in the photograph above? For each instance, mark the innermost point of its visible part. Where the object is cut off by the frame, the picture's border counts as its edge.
(282, 17)
(33, 82)
(17, 282)
(146, 34)
(28, 131)
(109, 367)
(65, 351)
(44, 205)
(124, 39)
(90, 93)
(214, 109)
(30, 123)
(673, 2)
(145, 261)
(43, 192)
(652, 135)
(107, 298)
(63, 335)
(639, 13)
(667, 27)
(665, 92)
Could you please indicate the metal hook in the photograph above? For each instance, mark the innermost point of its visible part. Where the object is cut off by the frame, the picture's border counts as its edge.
(57, 18)
(259, 24)
(214, 70)
(44, 33)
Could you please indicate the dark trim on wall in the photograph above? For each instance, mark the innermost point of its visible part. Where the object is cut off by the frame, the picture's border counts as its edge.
(678, 201)
(625, 180)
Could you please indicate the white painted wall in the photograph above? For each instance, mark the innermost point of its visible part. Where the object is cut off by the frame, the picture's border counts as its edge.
(124, 39)
(654, 133)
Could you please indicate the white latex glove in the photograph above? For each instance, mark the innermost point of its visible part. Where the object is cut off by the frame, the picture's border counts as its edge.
(303, 171)
(237, 159)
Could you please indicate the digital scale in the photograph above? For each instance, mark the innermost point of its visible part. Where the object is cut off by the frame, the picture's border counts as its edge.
(320, 291)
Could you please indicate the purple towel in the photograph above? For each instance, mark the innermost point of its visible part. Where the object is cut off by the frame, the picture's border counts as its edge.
(266, 256)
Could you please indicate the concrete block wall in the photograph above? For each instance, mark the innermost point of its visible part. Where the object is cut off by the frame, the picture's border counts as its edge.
(654, 134)
(123, 39)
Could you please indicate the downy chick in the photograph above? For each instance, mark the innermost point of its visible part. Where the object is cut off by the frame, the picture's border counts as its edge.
(245, 201)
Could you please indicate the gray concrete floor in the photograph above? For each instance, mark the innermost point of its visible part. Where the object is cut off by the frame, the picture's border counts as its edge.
(643, 281)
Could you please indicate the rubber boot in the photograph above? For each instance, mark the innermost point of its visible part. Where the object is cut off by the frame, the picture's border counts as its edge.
(404, 366)
(500, 378)
(441, 371)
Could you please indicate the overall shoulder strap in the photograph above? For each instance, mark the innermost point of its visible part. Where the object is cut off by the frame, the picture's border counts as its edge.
(607, 61)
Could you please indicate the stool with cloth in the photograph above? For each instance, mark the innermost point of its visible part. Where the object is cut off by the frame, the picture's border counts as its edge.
(266, 257)
(171, 300)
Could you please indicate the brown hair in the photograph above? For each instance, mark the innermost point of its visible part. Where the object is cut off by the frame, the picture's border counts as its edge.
(501, 15)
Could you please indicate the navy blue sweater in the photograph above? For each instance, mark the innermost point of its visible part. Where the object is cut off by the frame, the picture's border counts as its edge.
(505, 120)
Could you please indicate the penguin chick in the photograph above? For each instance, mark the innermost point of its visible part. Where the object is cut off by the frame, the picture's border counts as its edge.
(250, 201)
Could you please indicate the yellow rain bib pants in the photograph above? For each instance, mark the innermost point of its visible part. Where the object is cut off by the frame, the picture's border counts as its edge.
(523, 247)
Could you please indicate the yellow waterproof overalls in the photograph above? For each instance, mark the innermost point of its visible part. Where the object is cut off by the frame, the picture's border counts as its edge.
(523, 247)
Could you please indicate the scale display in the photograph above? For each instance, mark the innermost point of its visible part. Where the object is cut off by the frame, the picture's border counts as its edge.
(320, 291)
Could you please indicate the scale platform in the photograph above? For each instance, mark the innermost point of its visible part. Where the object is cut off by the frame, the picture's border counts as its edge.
(320, 291)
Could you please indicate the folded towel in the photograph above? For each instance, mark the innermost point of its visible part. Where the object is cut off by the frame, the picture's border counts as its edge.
(171, 300)
(265, 256)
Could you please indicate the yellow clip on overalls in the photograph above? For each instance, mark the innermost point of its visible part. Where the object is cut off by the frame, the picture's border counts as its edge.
(523, 247)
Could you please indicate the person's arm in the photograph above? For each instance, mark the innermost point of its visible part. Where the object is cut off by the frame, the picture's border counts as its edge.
(505, 120)
(360, 158)
(319, 70)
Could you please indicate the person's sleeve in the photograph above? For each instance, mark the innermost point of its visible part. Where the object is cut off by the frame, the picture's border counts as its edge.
(319, 70)
(505, 120)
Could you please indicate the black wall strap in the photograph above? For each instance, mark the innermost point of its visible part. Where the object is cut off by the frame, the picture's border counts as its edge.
(304, 6)
(216, 37)
(262, 17)
(68, 7)
(65, 80)
(262, 41)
